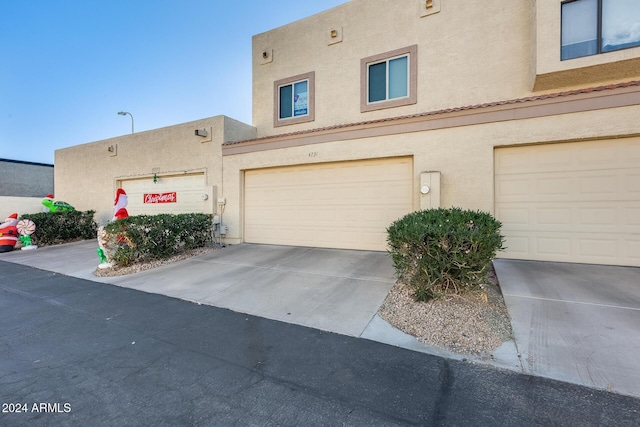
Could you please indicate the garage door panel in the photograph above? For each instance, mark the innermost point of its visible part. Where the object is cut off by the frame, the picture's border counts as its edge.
(598, 217)
(633, 250)
(188, 188)
(586, 186)
(342, 205)
(592, 155)
(590, 248)
(570, 207)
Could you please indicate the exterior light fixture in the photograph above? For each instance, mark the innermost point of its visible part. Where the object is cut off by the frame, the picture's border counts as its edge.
(124, 113)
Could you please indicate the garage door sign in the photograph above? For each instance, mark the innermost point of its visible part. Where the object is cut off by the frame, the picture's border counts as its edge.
(155, 198)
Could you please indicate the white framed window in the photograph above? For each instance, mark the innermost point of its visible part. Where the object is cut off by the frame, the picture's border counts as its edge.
(294, 100)
(389, 79)
(591, 27)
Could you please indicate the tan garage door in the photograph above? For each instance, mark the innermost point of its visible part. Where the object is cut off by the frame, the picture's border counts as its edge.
(170, 194)
(335, 205)
(571, 202)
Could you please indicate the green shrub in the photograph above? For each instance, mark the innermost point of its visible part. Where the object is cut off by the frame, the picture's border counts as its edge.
(443, 251)
(148, 237)
(62, 227)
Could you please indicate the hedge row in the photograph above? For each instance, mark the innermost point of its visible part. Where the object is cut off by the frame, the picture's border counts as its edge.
(54, 228)
(147, 237)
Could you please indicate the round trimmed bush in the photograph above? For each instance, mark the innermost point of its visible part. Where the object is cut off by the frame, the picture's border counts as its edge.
(443, 251)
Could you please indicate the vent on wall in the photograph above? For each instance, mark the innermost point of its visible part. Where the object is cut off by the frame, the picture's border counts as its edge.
(334, 36)
(205, 134)
(266, 56)
(429, 7)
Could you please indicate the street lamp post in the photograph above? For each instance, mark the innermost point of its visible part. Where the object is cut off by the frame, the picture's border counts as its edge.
(124, 113)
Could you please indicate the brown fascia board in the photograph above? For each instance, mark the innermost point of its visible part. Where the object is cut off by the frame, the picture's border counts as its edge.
(595, 98)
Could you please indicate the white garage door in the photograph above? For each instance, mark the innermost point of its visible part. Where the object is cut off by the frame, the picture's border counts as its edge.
(336, 205)
(571, 202)
(170, 194)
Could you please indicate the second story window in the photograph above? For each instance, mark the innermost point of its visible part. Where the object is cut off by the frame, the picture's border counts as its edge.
(294, 100)
(590, 27)
(389, 79)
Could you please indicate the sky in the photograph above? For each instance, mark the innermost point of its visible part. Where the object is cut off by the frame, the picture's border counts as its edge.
(67, 67)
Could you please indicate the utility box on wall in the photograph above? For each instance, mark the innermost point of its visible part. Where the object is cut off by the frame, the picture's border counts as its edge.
(429, 190)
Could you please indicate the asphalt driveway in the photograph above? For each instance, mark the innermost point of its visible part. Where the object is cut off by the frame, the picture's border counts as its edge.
(571, 322)
(100, 355)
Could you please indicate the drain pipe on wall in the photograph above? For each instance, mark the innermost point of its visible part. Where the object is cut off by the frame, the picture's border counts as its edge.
(222, 228)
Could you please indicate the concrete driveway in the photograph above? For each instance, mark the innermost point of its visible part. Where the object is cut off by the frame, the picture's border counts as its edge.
(575, 322)
(329, 289)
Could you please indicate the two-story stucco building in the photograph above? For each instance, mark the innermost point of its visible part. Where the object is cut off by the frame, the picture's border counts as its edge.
(527, 109)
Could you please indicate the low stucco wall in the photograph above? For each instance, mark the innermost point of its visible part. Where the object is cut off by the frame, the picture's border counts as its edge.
(87, 176)
(19, 205)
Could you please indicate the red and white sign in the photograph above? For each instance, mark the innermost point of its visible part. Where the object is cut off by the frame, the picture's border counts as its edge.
(160, 197)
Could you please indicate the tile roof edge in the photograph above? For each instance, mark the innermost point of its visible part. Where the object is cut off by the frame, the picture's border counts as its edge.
(446, 110)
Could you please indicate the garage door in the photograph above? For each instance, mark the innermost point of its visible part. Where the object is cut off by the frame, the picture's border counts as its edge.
(170, 194)
(335, 205)
(571, 202)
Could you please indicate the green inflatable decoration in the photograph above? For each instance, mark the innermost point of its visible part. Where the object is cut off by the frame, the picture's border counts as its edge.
(56, 206)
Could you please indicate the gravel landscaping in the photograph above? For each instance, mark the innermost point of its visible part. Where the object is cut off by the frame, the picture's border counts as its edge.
(472, 324)
(141, 266)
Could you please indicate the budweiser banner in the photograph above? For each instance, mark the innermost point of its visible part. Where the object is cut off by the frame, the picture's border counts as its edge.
(160, 197)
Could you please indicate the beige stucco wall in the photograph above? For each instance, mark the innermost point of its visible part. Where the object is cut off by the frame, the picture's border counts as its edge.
(464, 155)
(462, 59)
(19, 205)
(470, 52)
(86, 176)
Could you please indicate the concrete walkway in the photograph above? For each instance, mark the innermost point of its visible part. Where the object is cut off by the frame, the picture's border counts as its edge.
(572, 322)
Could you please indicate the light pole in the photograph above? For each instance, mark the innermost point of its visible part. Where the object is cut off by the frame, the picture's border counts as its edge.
(124, 113)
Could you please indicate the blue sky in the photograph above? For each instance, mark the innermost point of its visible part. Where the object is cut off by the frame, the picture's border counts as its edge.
(68, 66)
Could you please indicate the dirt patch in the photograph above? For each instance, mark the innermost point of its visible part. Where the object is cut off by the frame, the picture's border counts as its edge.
(475, 324)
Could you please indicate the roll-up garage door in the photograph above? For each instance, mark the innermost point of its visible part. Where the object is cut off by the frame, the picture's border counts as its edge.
(571, 202)
(335, 205)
